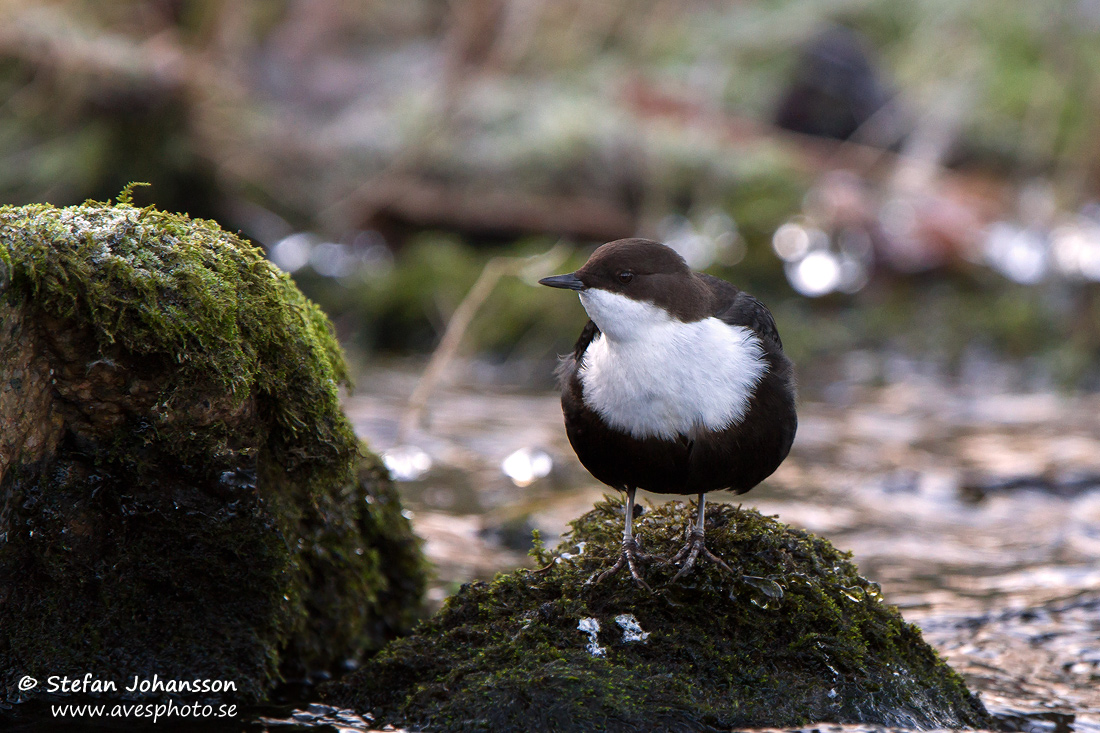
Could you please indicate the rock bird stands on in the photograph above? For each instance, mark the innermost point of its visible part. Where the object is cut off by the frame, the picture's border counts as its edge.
(677, 385)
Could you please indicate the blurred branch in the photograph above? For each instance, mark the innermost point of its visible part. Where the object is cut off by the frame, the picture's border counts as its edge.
(528, 268)
(420, 203)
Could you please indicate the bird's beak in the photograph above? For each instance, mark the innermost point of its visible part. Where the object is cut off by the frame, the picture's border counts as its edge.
(569, 282)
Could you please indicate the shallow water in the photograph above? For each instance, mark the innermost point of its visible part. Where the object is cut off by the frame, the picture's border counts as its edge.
(977, 511)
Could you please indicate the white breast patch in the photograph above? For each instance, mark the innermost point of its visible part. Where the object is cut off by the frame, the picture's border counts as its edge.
(651, 375)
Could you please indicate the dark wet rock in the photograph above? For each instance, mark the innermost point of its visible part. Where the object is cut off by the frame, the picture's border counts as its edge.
(798, 637)
(837, 89)
(180, 493)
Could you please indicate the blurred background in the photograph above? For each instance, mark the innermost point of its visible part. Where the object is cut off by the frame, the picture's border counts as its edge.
(912, 186)
(907, 178)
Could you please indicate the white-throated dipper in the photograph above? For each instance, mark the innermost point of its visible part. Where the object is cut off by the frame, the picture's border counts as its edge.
(677, 385)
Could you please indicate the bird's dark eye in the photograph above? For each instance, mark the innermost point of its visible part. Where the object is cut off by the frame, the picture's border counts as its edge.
(626, 276)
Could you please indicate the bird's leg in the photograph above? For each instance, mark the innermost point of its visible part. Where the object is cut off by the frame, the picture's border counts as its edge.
(631, 555)
(695, 545)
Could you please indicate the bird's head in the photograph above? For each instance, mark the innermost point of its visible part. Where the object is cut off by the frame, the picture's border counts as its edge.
(631, 285)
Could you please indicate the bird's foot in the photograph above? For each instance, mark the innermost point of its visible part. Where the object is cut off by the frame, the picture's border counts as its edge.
(631, 557)
(694, 549)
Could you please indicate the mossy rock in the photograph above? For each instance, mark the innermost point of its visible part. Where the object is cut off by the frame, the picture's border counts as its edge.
(180, 492)
(722, 651)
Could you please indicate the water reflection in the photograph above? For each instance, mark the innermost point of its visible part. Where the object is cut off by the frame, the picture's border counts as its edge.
(527, 465)
(406, 462)
(849, 226)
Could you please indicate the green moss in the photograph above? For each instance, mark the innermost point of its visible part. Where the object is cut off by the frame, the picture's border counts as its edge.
(364, 568)
(721, 651)
(209, 509)
(180, 289)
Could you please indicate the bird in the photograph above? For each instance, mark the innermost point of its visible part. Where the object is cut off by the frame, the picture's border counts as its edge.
(678, 384)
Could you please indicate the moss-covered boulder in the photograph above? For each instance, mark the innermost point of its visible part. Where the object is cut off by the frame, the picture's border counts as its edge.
(180, 493)
(799, 637)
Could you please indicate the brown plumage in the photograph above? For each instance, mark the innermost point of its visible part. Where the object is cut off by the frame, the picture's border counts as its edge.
(647, 298)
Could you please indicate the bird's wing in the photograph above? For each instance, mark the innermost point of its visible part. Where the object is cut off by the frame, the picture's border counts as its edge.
(591, 330)
(738, 308)
(567, 367)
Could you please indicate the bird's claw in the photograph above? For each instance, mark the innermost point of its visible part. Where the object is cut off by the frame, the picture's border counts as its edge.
(630, 558)
(691, 551)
